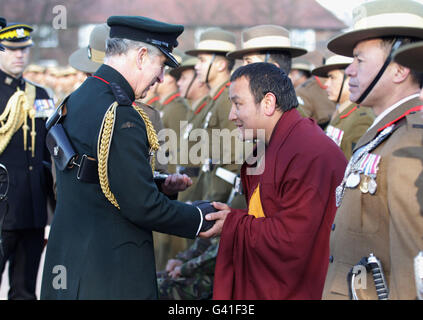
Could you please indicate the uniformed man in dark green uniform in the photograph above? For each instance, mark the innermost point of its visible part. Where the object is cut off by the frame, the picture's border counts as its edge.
(100, 244)
(24, 108)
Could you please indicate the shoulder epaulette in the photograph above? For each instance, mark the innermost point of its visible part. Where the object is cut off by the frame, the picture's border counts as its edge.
(120, 95)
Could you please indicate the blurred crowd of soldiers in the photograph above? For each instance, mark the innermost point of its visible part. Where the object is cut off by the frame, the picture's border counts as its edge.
(197, 92)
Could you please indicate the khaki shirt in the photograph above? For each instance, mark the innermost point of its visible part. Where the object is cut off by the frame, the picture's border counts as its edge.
(389, 223)
(314, 102)
(347, 126)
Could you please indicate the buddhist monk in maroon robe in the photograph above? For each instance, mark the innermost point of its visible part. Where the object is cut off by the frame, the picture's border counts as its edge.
(278, 248)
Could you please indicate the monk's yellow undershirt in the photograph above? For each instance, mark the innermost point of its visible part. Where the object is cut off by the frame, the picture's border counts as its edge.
(254, 208)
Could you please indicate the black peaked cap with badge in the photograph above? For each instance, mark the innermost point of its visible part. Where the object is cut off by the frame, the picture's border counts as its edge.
(3, 23)
(159, 34)
(16, 36)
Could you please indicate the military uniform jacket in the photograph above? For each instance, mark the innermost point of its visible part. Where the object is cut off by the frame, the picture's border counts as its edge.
(217, 117)
(157, 123)
(194, 121)
(173, 111)
(347, 127)
(30, 180)
(389, 223)
(108, 253)
(314, 102)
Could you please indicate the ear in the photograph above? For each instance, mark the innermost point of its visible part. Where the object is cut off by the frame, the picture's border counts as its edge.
(141, 57)
(401, 73)
(268, 104)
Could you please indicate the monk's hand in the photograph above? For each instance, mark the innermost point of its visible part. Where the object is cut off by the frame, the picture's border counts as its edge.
(219, 218)
(175, 183)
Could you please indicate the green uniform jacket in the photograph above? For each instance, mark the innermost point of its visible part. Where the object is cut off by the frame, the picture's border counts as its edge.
(313, 101)
(350, 125)
(108, 253)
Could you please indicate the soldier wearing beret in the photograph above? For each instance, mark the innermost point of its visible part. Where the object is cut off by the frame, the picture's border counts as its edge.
(349, 122)
(379, 221)
(24, 107)
(272, 43)
(108, 203)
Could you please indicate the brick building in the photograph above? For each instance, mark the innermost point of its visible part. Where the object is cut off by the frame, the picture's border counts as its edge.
(61, 27)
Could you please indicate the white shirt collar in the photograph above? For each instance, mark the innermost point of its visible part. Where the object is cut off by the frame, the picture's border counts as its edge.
(385, 112)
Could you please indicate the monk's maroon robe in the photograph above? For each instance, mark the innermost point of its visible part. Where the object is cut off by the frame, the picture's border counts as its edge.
(286, 254)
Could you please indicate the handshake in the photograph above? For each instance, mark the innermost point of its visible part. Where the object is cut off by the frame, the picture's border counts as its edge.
(214, 215)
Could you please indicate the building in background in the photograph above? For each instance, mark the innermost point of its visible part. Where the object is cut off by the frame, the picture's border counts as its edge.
(311, 25)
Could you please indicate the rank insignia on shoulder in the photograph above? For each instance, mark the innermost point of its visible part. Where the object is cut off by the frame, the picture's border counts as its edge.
(120, 95)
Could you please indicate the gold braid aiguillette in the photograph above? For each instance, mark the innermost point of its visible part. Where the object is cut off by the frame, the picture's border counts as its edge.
(104, 142)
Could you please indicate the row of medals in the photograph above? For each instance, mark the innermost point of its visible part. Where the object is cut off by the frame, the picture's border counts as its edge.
(367, 183)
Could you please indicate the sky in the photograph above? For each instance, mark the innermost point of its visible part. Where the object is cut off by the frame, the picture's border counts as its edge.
(343, 8)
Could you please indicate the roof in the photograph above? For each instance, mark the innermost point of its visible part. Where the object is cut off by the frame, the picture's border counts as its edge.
(191, 13)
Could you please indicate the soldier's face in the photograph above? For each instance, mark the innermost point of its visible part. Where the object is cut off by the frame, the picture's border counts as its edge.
(184, 81)
(369, 56)
(252, 58)
(14, 61)
(333, 85)
(202, 67)
(245, 113)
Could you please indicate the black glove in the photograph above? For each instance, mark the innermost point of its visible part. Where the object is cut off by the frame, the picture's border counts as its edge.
(205, 207)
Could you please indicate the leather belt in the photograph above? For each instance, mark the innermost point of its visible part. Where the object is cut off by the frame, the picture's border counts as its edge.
(87, 170)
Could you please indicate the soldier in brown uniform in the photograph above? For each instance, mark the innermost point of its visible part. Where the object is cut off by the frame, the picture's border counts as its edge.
(271, 43)
(379, 222)
(300, 71)
(349, 122)
(214, 69)
(196, 92)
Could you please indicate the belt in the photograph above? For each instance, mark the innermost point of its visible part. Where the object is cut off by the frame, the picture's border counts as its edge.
(87, 170)
(230, 178)
(189, 171)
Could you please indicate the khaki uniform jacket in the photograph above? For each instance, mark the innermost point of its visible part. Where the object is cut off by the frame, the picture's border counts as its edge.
(197, 116)
(389, 223)
(217, 117)
(314, 102)
(351, 123)
(173, 110)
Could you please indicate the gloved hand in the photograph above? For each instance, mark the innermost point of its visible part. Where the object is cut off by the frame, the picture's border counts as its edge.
(205, 207)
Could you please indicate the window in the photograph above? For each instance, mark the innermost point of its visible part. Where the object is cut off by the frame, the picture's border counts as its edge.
(304, 38)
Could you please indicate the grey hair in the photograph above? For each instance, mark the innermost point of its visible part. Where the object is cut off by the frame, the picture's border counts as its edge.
(118, 46)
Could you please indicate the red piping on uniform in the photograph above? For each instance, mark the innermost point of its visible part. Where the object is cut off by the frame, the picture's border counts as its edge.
(320, 83)
(172, 98)
(346, 115)
(418, 108)
(200, 108)
(105, 81)
(221, 91)
(154, 99)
